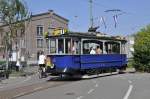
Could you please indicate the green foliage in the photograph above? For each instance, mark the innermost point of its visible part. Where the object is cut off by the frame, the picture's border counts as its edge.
(2, 62)
(142, 50)
(14, 14)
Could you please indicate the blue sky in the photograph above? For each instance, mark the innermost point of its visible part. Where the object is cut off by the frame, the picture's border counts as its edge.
(136, 16)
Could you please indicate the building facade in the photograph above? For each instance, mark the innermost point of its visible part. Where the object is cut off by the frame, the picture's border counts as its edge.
(33, 41)
(129, 46)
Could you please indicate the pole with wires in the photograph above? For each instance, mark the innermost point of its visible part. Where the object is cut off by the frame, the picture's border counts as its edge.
(91, 13)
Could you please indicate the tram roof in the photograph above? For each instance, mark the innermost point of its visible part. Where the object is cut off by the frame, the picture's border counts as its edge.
(89, 35)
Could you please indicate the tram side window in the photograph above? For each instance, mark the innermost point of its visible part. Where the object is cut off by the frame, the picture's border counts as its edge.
(68, 46)
(53, 46)
(60, 46)
(116, 48)
(112, 48)
(72, 47)
(86, 48)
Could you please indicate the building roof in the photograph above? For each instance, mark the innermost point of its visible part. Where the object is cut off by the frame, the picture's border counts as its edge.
(49, 11)
(40, 14)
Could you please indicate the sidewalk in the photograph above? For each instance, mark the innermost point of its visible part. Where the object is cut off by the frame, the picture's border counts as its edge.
(15, 79)
(11, 80)
(30, 70)
(130, 70)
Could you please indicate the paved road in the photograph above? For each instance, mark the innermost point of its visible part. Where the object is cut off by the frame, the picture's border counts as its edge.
(13, 88)
(123, 86)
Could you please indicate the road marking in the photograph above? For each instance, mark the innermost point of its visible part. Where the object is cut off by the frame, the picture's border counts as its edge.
(96, 85)
(21, 94)
(90, 91)
(80, 97)
(130, 81)
(37, 88)
(128, 92)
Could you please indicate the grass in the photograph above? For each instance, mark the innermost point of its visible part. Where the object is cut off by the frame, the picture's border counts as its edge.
(2, 62)
(130, 63)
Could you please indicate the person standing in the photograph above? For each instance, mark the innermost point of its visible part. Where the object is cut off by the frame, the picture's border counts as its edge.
(18, 65)
(41, 62)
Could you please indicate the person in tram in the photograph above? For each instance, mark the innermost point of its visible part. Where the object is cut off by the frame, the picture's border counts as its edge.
(109, 51)
(92, 50)
(98, 50)
(73, 49)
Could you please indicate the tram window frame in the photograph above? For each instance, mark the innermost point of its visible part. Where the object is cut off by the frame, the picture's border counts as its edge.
(92, 43)
(70, 43)
(53, 46)
(61, 46)
(67, 45)
(75, 48)
(110, 47)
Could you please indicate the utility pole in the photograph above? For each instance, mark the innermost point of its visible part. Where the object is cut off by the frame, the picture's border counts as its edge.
(91, 27)
(91, 13)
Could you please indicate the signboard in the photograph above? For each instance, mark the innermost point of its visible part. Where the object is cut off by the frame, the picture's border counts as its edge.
(59, 32)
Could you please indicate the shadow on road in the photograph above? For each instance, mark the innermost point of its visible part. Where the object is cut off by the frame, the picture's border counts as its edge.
(66, 79)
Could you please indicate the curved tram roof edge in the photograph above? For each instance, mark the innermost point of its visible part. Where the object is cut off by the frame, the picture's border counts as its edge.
(89, 35)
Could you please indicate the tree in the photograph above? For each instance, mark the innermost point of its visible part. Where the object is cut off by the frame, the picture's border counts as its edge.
(14, 14)
(142, 50)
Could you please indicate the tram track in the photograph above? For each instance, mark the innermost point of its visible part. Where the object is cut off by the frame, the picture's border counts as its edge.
(25, 90)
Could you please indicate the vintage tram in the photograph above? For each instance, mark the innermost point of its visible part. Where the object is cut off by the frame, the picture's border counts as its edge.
(69, 53)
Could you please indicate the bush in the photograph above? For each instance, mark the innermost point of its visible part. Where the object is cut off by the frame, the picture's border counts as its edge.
(2, 62)
(142, 50)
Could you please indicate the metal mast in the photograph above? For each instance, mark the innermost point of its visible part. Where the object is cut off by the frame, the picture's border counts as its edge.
(91, 13)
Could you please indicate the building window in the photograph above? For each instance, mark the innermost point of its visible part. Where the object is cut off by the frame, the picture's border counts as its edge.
(40, 30)
(39, 43)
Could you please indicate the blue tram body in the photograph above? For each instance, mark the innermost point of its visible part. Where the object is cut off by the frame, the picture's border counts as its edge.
(74, 64)
(81, 61)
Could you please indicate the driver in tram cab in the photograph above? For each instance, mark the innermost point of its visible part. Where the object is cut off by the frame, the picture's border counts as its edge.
(98, 50)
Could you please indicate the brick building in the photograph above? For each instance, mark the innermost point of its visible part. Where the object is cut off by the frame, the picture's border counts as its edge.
(33, 40)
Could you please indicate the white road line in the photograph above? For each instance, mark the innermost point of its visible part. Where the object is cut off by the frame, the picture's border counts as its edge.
(80, 97)
(128, 92)
(130, 81)
(90, 91)
(20, 94)
(37, 88)
(96, 85)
